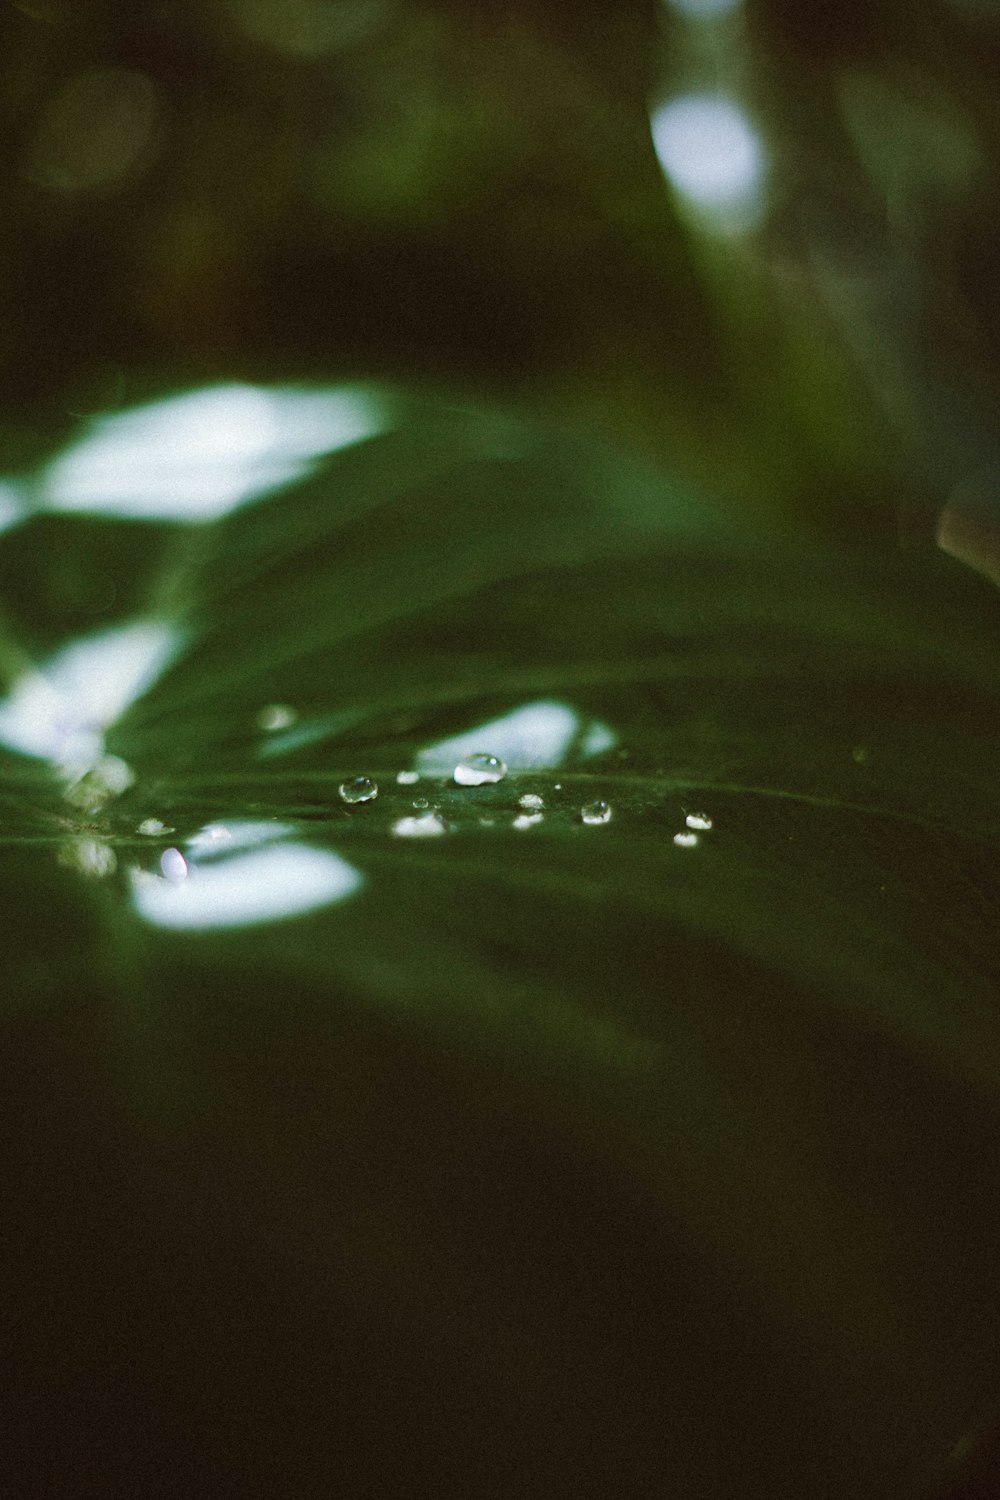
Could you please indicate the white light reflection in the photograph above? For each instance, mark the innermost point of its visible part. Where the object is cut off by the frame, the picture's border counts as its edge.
(59, 711)
(197, 456)
(11, 505)
(537, 736)
(217, 839)
(704, 10)
(239, 873)
(712, 156)
(261, 885)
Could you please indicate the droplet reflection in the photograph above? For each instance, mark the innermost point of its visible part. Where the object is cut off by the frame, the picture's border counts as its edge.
(698, 820)
(596, 812)
(480, 770)
(358, 789)
(425, 825)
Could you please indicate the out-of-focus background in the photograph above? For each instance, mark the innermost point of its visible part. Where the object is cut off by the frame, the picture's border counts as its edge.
(756, 240)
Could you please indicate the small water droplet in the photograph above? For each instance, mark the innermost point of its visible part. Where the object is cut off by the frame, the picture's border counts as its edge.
(859, 755)
(686, 840)
(274, 716)
(173, 866)
(153, 828)
(528, 820)
(426, 825)
(596, 812)
(531, 801)
(698, 820)
(480, 770)
(358, 789)
(420, 803)
(407, 778)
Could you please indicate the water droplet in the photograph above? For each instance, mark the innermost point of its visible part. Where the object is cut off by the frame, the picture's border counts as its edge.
(528, 820)
(859, 755)
(275, 716)
(426, 825)
(686, 840)
(173, 866)
(480, 770)
(531, 801)
(596, 812)
(698, 820)
(358, 789)
(408, 778)
(420, 803)
(153, 828)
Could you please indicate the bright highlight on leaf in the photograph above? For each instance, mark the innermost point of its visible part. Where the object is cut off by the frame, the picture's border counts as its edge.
(60, 711)
(197, 456)
(704, 10)
(711, 154)
(260, 885)
(537, 736)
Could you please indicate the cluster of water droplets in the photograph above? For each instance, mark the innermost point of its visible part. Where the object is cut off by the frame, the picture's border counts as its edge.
(695, 824)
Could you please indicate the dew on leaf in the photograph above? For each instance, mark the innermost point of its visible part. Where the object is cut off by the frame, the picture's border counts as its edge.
(425, 825)
(358, 789)
(596, 812)
(152, 828)
(698, 820)
(528, 820)
(480, 770)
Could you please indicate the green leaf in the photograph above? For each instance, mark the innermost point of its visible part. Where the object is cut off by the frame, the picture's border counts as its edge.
(560, 1158)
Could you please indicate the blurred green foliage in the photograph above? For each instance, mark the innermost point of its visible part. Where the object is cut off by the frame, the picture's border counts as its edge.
(560, 1160)
(467, 195)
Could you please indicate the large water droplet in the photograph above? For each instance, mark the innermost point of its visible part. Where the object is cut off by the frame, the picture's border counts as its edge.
(173, 866)
(596, 812)
(528, 820)
(698, 820)
(480, 770)
(426, 825)
(531, 801)
(686, 840)
(358, 789)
